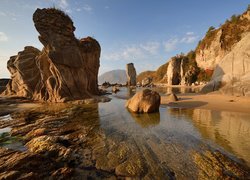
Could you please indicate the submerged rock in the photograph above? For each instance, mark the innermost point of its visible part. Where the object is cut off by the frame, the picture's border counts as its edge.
(66, 69)
(212, 165)
(145, 101)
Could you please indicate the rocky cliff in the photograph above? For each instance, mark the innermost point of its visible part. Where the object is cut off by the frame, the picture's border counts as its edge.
(219, 42)
(232, 73)
(66, 68)
(179, 70)
(214, 53)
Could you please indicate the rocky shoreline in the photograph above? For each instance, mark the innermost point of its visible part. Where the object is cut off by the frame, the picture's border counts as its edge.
(65, 141)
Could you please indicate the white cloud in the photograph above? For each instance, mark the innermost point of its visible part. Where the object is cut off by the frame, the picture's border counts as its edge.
(190, 33)
(171, 44)
(3, 14)
(3, 37)
(151, 47)
(106, 7)
(78, 9)
(189, 39)
(87, 8)
(63, 4)
(127, 54)
(138, 51)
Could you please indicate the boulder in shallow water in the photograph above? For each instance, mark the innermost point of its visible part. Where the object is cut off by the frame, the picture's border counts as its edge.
(145, 101)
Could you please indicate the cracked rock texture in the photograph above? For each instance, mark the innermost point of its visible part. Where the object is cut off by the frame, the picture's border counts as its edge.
(66, 68)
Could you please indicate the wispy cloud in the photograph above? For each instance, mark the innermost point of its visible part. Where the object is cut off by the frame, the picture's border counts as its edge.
(63, 4)
(10, 15)
(106, 7)
(171, 44)
(3, 37)
(3, 13)
(131, 52)
(151, 47)
(126, 54)
(87, 8)
(189, 38)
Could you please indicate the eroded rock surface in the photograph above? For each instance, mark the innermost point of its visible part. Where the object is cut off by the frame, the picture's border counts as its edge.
(215, 164)
(66, 69)
(233, 72)
(219, 42)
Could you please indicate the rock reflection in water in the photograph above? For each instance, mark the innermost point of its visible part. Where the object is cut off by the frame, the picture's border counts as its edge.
(146, 120)
(230, 130)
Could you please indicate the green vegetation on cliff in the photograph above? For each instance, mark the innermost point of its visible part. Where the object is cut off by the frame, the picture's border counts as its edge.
(231, 32)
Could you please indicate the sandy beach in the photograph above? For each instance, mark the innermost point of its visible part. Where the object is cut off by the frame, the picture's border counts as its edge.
(213, 101)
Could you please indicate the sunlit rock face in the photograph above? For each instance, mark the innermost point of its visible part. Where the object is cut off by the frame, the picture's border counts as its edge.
(219, 42)
(24, 72)
(66, 69)
(233, 72)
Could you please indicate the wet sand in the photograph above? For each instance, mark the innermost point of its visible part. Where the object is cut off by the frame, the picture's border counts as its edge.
(212, 101)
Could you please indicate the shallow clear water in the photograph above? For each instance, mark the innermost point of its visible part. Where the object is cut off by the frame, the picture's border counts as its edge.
(191, 129)
(166, 140)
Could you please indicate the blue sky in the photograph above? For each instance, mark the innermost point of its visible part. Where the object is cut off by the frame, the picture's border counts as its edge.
(145, 32)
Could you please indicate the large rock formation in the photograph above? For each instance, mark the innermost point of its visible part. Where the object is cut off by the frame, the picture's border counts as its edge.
(131, 74)
(25, 74)
(66, 69)
(145, 101)
(233, 71)
(219, 42)
(181, 71)
(173, 72)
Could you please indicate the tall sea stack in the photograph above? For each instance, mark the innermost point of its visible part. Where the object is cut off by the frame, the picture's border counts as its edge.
(66, 68)
(131, 74)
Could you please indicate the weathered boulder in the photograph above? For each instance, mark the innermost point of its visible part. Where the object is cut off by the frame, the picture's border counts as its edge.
(66, 69)
(145, 101)
(131, 74)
